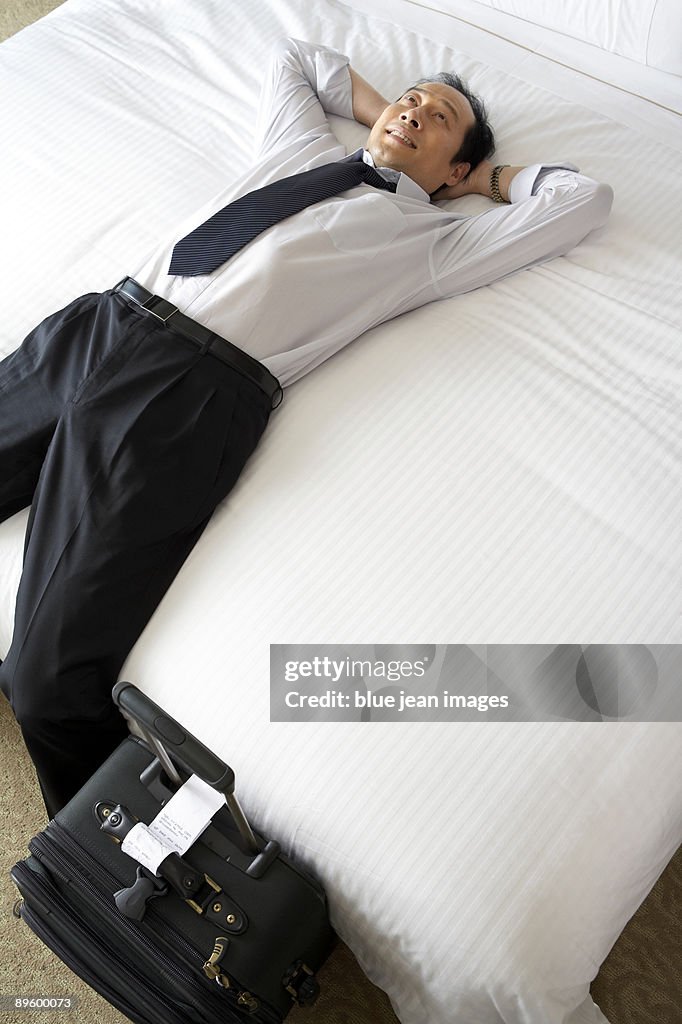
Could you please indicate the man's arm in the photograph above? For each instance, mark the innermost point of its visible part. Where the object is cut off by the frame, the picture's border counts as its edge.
(368, 104)
(552, 208)
(303, 83)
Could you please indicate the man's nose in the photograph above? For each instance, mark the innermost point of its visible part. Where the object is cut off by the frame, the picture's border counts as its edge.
(411, 116)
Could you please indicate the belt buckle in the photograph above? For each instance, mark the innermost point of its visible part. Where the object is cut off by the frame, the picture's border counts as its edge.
(160, 308)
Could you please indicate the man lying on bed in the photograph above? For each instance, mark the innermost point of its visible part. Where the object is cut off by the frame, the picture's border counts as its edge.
(125, 422)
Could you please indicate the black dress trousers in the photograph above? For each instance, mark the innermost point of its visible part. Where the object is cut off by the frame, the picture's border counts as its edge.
(123, 437)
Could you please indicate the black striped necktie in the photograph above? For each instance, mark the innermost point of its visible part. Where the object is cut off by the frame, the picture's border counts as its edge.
(231, 228)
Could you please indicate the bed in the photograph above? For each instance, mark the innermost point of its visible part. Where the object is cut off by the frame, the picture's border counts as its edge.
(502, 468)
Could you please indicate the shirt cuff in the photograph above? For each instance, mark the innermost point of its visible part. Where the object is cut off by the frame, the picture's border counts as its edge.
(526, 182)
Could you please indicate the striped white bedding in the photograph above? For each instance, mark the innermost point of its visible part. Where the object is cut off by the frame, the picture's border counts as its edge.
(502, 467)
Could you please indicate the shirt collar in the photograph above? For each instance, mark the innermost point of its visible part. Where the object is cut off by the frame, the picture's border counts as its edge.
(405, 185)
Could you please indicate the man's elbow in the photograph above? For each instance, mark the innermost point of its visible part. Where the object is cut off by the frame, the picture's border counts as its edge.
(600, 204)
(587, 208)
(282, 47)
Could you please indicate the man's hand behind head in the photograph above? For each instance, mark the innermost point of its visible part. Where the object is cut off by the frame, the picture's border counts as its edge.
(478, 182)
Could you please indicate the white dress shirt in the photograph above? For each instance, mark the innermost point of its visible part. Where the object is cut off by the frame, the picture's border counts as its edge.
(306, 287)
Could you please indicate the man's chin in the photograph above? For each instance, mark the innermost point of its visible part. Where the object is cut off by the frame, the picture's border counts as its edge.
(382, 158)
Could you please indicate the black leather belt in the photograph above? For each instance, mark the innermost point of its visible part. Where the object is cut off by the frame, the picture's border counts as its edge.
(171, 316)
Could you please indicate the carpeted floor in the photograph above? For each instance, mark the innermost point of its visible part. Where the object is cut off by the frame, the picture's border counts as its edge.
(15, 14)
(640, 982)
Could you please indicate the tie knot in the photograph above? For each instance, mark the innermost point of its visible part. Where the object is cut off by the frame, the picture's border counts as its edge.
(373, 177)
(369, 173)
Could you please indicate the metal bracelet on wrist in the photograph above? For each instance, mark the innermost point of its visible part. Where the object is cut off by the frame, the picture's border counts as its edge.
(495, 183)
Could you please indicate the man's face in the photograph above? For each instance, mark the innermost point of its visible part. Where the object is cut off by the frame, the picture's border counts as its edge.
(420, 134)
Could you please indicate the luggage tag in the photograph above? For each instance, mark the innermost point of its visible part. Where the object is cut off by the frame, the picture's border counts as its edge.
(176, 827)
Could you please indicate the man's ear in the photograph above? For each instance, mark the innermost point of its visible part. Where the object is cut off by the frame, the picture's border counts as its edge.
(458, 172)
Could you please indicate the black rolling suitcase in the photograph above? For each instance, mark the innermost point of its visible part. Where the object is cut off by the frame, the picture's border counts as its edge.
(229, 930)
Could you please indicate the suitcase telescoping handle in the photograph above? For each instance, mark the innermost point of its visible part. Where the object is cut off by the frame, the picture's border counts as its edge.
(166, 736)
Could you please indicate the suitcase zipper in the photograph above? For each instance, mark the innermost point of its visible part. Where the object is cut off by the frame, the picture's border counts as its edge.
(104, 879)
(39, 889)
(45, 847)
(95, 982)
(47, 850)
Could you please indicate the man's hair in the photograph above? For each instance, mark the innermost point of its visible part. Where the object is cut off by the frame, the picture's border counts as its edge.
(479, 142)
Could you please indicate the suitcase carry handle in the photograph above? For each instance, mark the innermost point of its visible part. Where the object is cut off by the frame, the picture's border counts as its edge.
(165, 734)
(185, 748)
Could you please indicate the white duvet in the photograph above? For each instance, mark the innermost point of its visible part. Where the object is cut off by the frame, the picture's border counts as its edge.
(503, 467)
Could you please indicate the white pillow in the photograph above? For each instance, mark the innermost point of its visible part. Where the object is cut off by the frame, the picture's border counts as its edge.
(647, 31)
